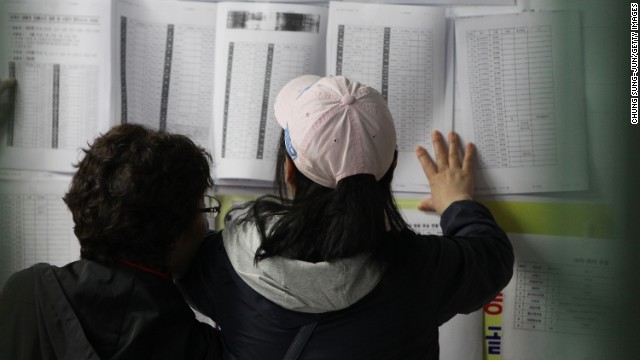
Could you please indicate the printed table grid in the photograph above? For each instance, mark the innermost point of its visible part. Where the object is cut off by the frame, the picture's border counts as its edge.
(166, 71)
(249, 129)
(57, 100)
(78, 99)
(564, 298)
(143, 50)
(60, 109)
(35, 228)
(289, 61)
(247, 63)
(362, 49)
(512, 96)
(191, 91)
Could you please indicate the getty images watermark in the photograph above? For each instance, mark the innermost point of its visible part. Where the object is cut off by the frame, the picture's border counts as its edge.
(634, 63)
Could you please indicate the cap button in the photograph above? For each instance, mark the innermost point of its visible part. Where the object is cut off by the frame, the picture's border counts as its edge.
(348, 99)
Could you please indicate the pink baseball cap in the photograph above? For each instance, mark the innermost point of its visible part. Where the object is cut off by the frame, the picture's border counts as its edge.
(335, 128)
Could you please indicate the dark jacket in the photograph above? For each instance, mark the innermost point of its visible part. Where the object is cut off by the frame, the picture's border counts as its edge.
(86, 310)
(362, 311)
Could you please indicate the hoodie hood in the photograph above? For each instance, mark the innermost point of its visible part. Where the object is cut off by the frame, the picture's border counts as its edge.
(298, 285)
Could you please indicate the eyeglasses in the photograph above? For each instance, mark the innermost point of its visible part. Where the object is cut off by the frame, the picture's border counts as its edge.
(211, 206)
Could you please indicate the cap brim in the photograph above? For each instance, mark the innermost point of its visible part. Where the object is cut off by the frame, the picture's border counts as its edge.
(288, 94)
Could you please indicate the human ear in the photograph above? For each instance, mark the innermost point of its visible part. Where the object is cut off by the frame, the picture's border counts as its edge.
(290, 175)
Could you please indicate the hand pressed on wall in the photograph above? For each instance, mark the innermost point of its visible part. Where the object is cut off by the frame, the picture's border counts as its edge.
(450, 178)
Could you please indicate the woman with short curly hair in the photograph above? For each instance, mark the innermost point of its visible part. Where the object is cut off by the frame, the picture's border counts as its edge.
(135, 193)
(137, 201)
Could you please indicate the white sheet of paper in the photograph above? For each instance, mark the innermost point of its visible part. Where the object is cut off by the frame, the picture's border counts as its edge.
(461, 337)
(560, 303)
(400, 51)
(35, 224)
(163, 66)
(59, 52)
(522, 92)
(421, 222)
(259, 47)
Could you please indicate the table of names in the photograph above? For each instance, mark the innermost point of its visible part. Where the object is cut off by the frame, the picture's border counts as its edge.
(512, 95)
(165, 76)
(250, 130)
(57, 100)
(568, 298)
(35, 228)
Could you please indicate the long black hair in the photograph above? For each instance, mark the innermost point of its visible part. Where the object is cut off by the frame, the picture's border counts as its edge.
(324, 224)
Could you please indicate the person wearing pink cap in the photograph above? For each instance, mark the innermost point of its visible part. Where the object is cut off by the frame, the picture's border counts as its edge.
(329, 268)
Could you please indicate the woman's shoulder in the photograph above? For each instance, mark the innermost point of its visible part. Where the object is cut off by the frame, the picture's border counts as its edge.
(19, 284)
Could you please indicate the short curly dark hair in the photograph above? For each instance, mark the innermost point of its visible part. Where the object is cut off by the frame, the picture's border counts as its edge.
(135, 192)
